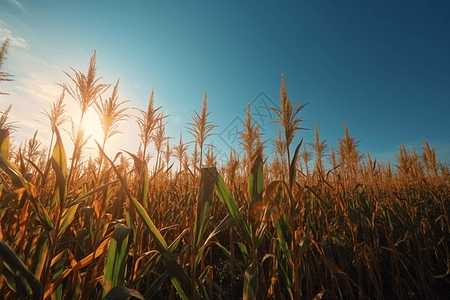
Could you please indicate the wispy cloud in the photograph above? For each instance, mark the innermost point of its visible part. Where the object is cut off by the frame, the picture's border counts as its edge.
(39, 88)
(15, 40)
(18, 4)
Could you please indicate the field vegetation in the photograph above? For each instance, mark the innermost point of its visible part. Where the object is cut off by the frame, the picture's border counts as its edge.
(189, 227)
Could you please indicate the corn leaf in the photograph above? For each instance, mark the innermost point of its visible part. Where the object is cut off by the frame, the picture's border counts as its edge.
(293, 166)
(58, 268)
(68, 216)
(178, 276)
(16, 283)
(76, 266)
(219, 228)
(250, 283)
(4, 143)
(19, 270)
(142, 170)
(59, 154)
(91, 193)
(115, 265)
(123, 293)
(40, 254)
(207, 182)
(156, 286)
(256, 180)
(230, 204)
(59, 165)
(18, 180)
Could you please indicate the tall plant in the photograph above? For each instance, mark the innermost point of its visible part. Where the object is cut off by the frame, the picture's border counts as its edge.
(201, 128)
(3, 75)
(287, 116)
(148, 123)
(85, 91)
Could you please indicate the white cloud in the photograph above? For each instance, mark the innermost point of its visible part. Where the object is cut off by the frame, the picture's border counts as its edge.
(18, 4)
(15, 40)
(39, 88)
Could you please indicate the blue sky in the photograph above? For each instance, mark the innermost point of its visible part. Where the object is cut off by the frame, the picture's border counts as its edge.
(381, 66)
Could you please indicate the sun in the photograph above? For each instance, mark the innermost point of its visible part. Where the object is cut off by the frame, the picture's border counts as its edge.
(91, 126)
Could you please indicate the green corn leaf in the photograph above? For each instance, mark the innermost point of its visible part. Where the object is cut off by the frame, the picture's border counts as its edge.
(59, 165)
(91, 193)
(142, 170)
(4, 143)
(18, 269)
(256, 181)
(177, 240)
(178, 276)
(157, 255)
(115, 265)
(88, 216)
(59, 154)
(180, 280)
(387, 214)
(68, 216)
(16, 283)
(250, 283)
(13, 172)
(149, 265)
(207, 183)
(40, 254)
(230, 204)
(156, 286)
(219, 228)
(58, 269)
(293, 166)
(281, 227)
(244, 252)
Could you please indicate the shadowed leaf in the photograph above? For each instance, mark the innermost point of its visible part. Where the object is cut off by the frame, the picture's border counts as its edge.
(19, 269)
(123, 293)
(250, 283)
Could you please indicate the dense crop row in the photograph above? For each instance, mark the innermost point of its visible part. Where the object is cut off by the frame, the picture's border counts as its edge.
(112, 228)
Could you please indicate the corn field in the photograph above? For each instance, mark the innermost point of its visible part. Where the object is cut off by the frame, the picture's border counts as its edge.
(121, 228)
